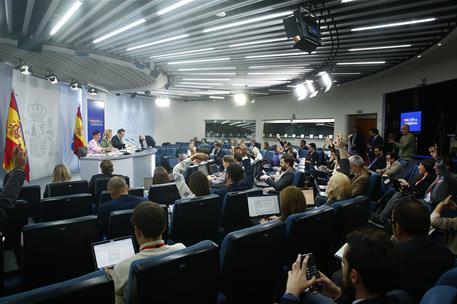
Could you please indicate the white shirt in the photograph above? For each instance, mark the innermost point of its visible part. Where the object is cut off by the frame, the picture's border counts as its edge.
(121, 270)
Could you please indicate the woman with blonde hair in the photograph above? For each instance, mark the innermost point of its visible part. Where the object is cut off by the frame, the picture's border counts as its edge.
(106, 141)
(60, 174)
(339, 188)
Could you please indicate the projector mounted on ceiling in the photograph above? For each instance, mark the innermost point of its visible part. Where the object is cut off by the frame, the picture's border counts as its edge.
(303, 28)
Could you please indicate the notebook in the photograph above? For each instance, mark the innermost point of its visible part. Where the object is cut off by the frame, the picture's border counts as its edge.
(109, 253)
(264, 205)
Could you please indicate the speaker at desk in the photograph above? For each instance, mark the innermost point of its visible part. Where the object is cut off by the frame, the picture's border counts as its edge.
(30, 43)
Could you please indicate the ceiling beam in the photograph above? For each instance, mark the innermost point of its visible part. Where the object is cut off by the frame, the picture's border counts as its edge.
(47, 16)
(9, 15)
(28, 16)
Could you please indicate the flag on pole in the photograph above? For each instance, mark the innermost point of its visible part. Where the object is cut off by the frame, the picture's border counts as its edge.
(79, 141)
(14, 137)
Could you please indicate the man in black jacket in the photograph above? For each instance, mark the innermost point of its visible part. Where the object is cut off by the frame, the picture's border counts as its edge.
(422, 260)
(13, 186)
(286, 175)
(116, 140)
(370, 261)
(107, 168)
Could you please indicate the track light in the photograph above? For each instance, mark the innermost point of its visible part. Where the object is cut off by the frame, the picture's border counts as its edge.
(312, 90)
(240, 99)
(301, 91)
(52, 78)
(147, 93)
(74, 85)
(133, 95)
(24, 68)
(325, 81)
(92, 91)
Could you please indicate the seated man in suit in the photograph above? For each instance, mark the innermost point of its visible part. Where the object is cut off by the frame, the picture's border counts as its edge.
(284, 177)
(107, 171)
(423, 261)
(116, 140)
(378, 161)
(234, 181)
(370, 261)
(312, 156)
(149, 220)
(121, 200)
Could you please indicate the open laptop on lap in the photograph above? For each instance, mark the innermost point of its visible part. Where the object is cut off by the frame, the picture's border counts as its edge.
(262, 206)
(110, 252)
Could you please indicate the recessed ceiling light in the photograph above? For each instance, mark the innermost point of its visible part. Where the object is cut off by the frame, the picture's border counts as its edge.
(183, 53)
(419, 56)
(206, 79)
(201, 83)
(191, 86)
(157, 42)
(440, 44)
(276, 73)
(209, 74)
(351, 73)
(122, 29)
(392, 24)
(259, 42)
(380, 47)
(361, 63)
(65, 18)
(199, 60)
(299, 66)
(204, 69)
(276, 55)
(217, 97)
(173, 7)
(247, 21)
(221, 14)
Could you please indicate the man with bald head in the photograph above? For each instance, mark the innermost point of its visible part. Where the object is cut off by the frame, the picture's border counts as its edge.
(121, 200)
(407, 144)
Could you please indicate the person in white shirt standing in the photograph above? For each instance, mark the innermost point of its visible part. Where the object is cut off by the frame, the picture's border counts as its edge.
(149, 221)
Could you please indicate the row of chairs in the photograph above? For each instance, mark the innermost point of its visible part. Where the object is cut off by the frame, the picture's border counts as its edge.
(249, 262)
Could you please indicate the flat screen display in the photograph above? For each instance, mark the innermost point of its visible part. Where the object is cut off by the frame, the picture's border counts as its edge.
(413, 119)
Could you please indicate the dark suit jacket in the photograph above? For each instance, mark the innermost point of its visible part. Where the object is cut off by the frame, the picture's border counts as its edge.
(92, 181)
(122, 203)
(312, 157)
(343, 300)
(10, 194)
(419, 190)
(240, 186)
(422, 263)
(285, 180)
(116, 141)
(358, 143)
(378, 163)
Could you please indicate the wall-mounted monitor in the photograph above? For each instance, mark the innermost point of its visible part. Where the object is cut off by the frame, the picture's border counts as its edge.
(413, 119)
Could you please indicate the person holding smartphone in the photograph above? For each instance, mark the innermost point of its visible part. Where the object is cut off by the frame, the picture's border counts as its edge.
(370, 262)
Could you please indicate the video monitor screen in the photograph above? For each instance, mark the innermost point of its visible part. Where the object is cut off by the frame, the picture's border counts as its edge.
(413, 119)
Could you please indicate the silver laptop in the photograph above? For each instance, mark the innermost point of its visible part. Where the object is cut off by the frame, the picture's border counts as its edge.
(109, 253)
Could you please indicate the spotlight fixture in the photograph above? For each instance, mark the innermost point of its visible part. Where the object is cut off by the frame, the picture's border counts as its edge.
(74, 85)
(325, 81)
(132, 95)
(24, 68)
(147, 93)
(52, 78)
(312, 90)
(240, 99)
(92, 91)
(117, 94)
(301, 91)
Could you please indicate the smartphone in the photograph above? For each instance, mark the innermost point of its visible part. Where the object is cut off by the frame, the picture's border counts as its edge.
(311, 271)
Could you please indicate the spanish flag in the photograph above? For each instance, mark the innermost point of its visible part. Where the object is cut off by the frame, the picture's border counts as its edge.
(79, 141)
(14, 137)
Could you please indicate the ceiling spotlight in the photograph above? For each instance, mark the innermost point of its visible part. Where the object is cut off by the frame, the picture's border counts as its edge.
(440, 44)
(132, 95)
(147, 93)
(162, 102)
(325, 80)
(52, 78)
(24, 68)
(221, 14)
(240, 99)
(92, 91)
(419, 56)
(301, 91)
(311, 88)
(252, 100)
(74, 85)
